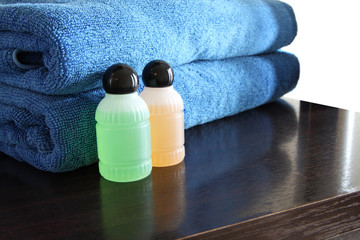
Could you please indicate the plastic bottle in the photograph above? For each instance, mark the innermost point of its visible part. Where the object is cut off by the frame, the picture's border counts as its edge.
(123, 127)
(166, 114)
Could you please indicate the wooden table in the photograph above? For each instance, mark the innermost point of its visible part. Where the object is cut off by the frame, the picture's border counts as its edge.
(286, 170)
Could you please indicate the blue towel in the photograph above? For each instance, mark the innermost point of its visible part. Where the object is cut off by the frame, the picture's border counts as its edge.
(63, 46)
(57, 132)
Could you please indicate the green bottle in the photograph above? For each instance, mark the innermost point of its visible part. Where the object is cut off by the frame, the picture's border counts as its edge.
(123, 128)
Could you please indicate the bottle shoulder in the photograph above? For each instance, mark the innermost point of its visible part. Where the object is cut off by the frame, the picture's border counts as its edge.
(162, 100)
(122, 109)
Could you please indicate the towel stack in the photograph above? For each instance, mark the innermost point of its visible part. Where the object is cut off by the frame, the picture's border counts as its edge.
(225, 55)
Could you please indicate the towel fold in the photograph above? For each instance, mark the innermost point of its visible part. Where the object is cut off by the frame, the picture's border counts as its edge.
(63, 46)
(57, 133)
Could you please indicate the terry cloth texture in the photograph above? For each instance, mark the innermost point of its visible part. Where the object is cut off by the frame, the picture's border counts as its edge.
(57, 133)
(63, 46)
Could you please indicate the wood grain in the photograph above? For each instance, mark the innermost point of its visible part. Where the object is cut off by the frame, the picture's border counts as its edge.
(330, 218)
(288, 168)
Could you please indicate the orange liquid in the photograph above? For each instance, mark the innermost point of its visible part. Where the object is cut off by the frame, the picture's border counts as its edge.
(167, 137)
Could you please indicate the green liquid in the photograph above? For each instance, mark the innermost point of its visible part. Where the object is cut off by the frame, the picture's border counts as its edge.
(123, 139)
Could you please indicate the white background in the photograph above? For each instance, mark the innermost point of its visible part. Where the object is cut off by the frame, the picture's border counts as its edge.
(328, 48)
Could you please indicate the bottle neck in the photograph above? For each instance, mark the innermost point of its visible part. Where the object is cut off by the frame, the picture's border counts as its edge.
(119, 96)
(159, 89)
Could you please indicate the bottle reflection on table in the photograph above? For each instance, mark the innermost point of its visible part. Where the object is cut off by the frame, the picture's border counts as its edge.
(139, 209)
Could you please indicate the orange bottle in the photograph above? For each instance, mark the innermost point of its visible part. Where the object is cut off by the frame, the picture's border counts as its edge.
(166, 114)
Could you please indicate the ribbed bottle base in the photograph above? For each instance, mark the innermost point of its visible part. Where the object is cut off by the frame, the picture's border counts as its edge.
(166, 159)
(117, 173)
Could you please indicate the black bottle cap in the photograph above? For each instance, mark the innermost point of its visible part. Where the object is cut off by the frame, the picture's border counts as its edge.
(158, 74)
(120, 79)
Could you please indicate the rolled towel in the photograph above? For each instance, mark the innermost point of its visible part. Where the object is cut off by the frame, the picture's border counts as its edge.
(63, 46)
(57, 133)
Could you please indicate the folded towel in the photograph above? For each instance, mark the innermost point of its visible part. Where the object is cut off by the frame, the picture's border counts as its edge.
(63, 46)
(57, 133)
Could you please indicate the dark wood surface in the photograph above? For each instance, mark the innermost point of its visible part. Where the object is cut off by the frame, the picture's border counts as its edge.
(331, 218)
(286, 170)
